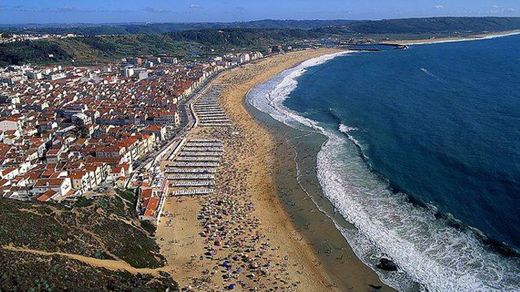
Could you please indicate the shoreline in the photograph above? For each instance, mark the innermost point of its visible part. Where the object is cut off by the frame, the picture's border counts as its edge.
(249, 178)
(477, 37)
(358, 275)
(309, 208)
(274, 98)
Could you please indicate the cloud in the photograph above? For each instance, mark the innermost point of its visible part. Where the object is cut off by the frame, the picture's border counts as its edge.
(72, 9)
(155, 10)
(65, 9)
(195, 6)
(241, 9)
(497, 9)
(438, 6)
(116, 11)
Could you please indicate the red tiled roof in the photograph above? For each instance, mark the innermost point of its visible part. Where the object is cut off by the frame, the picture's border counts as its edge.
(146, 194)
(152, 206)
(51, 182)
(153, 128)
(45, 197)
(77, 174)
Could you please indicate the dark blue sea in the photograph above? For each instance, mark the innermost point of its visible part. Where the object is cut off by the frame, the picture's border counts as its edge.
(423, 155)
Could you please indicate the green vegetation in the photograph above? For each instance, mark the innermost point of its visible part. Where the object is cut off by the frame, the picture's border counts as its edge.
(108, 43)
(112, 29)
(417, 28)
(211, 41)
(105, 223)
(32, 52)
(29, 272)
(109, 48)
(149, 227)
(128, 195)
(102, 228)
(104, 49)
(83, 50)
(391, 26)
(83, 202)
(443, 25)
(241, 38)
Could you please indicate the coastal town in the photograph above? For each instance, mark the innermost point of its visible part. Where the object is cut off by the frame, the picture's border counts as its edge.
(155, 133)
(259, 146)
(20, 37)
(71, 132)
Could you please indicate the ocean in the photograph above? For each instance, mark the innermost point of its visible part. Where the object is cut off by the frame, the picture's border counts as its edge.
(422, 156)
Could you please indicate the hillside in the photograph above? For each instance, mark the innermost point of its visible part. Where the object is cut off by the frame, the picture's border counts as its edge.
(441, 25)
(184, 44)
(242, 38)
(136, 28)
(386, 26)
(108, 43)
(89, 50)
(44, 247)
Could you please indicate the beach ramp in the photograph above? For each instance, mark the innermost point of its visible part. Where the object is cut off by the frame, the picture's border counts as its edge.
(207, 110)
(191, 171)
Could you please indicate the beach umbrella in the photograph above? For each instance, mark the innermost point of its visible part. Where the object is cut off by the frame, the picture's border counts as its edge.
(231, 286)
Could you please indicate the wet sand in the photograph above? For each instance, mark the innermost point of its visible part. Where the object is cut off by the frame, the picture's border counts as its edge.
(245, 235)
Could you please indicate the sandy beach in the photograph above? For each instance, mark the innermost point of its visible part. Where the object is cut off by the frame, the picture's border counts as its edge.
(241, 237)
(454, 39)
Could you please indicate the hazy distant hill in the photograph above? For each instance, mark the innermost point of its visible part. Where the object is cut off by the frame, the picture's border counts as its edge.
(391, 26)
(242, 37)
(447, 25)
(140, 28)
(105, 43)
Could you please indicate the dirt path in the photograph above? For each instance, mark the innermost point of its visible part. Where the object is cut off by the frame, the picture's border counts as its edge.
(113, 265)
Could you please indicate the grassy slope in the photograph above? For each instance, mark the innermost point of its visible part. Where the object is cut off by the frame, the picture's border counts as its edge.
(28, 272)
(103, 228)
(32, 52)
(103, 49)
(110, 48)
(89, 50)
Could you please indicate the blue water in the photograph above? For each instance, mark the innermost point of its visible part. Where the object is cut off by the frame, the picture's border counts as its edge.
(422, 156)
(441, 122)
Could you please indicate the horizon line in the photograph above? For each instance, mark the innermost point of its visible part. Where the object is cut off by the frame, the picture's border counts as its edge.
(240, 21)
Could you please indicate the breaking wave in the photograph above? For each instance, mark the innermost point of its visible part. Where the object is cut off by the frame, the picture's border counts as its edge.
(427, 72)
(427, 249)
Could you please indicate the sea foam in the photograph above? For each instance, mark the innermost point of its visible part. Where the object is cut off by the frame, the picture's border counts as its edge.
(427, 250)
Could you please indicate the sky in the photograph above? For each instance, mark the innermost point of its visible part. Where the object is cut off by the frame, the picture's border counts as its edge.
(120, 11)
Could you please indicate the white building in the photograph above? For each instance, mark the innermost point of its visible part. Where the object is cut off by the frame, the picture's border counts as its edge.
(128, 72)
(9, 124)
